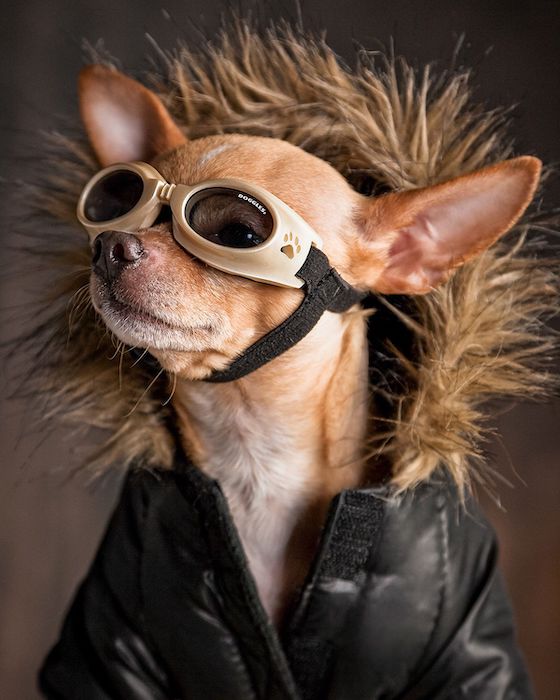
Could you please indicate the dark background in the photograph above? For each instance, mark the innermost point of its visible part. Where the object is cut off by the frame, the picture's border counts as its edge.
(50, 525)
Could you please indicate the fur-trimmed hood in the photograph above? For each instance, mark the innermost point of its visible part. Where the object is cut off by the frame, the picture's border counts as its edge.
(384, 127)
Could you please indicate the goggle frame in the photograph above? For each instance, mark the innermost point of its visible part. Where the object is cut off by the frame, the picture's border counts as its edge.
(274, 261)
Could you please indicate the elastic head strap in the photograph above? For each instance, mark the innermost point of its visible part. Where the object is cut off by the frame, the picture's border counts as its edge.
(325, 290)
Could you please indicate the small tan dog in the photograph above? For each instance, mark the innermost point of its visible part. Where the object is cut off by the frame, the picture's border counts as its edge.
(285, 439)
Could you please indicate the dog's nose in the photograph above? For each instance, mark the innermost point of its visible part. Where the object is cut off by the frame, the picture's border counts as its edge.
(113, 251)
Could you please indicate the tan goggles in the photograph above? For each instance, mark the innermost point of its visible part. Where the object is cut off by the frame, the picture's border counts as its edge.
(234, 226)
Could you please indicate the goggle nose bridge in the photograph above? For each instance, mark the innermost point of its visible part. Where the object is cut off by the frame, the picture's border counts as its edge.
(165, 191)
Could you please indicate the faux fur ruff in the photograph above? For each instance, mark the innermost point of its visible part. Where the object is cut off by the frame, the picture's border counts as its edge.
(383, 126)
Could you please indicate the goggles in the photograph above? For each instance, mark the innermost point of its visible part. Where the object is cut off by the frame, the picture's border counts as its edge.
(231, 225)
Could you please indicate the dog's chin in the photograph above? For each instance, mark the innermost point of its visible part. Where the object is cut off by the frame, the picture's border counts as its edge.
(143, 329)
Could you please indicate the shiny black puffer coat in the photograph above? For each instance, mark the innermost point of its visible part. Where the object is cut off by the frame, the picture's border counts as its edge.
(403, 601)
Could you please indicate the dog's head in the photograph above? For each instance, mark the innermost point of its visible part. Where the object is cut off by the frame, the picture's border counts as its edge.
(194, 318)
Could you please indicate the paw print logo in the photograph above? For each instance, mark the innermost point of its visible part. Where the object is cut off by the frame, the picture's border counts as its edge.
(291, 246)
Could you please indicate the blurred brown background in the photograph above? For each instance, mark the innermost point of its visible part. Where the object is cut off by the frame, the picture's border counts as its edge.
(49, 525)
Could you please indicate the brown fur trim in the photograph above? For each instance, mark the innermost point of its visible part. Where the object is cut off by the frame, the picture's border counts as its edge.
(382, 126)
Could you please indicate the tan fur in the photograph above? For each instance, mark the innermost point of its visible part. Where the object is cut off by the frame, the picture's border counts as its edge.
(476, 337)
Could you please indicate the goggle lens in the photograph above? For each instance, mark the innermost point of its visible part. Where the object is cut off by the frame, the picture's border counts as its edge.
(229, 217)
(113, 196)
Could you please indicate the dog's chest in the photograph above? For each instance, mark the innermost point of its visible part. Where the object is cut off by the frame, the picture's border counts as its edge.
(268, 509)
(276, 549)
(268, 490)
(267, 461)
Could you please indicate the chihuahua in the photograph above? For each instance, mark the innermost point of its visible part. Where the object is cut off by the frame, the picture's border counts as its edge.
(179, 229)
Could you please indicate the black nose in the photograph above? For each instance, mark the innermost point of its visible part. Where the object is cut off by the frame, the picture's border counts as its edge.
(113, 251)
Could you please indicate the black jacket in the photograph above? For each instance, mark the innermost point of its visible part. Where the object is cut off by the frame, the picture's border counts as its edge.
(403, 601)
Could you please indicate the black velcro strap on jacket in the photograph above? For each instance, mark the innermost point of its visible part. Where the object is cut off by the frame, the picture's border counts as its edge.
(353, 527)
(325, 290)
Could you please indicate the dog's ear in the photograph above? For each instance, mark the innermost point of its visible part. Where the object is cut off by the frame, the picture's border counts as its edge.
(124, 120)
(411, 241)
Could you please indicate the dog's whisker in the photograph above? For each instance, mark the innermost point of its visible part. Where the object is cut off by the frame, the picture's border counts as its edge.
(173, 388)
(140, 357)
(118, 347)
(121, 360)
(78, 301)
(144, 393)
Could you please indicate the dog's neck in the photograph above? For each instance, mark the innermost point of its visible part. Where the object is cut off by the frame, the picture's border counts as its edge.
(282, 442)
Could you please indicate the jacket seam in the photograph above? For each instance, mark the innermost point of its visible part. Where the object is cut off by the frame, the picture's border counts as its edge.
(168, 680)
(443, 577)
(141, 560)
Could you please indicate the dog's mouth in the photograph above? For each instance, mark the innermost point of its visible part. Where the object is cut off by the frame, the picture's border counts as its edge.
(135, 325)
(134, 314)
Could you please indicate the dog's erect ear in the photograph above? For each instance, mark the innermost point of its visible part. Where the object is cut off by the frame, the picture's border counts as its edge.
(124, 120)
(411, 241)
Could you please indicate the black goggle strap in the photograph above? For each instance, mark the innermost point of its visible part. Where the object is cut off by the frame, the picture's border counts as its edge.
(325, 290)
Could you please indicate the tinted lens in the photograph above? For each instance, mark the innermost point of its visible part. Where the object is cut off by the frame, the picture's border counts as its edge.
(114, 195)
(229, 217)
